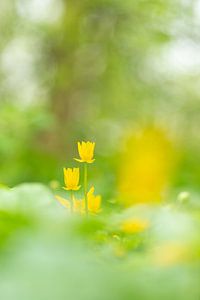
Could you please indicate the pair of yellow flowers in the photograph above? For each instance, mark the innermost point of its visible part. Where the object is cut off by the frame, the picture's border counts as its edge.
(71, 176)
(90, 203)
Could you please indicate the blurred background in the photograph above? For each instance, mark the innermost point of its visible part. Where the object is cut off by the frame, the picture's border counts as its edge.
(124, 74)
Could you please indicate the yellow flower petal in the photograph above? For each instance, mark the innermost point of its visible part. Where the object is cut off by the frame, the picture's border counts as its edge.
(64, 202)
(79, 160)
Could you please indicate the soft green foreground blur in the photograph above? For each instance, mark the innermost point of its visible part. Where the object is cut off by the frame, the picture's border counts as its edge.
(46, 253)
(124, 74)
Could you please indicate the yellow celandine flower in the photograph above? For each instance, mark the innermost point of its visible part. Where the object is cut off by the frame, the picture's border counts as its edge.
(94, 203)
(86, 152)
(71, 179)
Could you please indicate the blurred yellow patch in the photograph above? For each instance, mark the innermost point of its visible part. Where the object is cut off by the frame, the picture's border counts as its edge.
(134, 225)
(170, 254)
(64, 202)
(146, 166)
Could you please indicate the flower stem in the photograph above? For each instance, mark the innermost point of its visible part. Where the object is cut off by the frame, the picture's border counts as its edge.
(72, 201)
(85, 188)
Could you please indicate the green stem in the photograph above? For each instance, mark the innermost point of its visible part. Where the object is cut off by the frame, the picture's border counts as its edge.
(85, 188)
(72, 201)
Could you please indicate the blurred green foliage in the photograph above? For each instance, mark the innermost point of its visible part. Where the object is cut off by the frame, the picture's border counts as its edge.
(75, 70)
(47, 254)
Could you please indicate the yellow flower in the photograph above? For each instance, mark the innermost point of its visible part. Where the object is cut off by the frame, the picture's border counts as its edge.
(94, 202)
(86, 152)
(71, 178)
(78, 206)
(134, 225)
